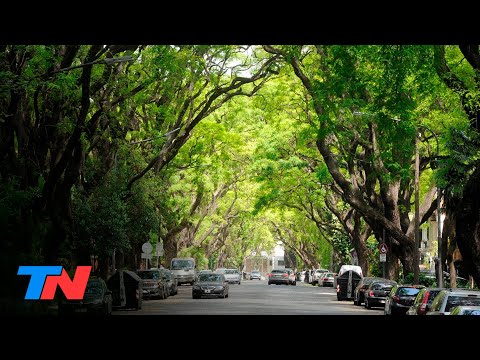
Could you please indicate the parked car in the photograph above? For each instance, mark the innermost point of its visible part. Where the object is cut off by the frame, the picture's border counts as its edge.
(97, 300)
(448, 299)
(255, 274)
(316, 275)
(465, 310)
(326, 279)
(423, 301)
(153, 283)
(169, 278)
(291, 276)
(377, 292)
(210, 285)
(233, 276)
(359, 292)
(278, 276)
(400, 298)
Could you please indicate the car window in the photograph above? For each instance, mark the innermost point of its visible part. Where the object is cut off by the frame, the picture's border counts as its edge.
(210, 278)
(149, 275)
(457, 300)
(182, 264)
(407, 291)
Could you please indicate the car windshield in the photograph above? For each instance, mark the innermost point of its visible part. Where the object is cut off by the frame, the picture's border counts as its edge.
(279, 271)
(94, 288)
(407, 291)
(457, 300)
(149, 275)
(229, 271)
(182, 264)
(255, 272)
(210, 278)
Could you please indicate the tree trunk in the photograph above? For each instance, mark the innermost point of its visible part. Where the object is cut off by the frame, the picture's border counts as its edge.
(170, 249)
(409, 259)
(468, 225)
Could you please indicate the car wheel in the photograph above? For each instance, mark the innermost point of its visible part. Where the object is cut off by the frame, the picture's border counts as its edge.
(355, 302)
(195, 296)
(269, 283)
(367, 304)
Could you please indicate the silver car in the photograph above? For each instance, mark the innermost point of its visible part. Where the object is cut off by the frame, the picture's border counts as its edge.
(255, 274)
(448, 299)
(233, 276)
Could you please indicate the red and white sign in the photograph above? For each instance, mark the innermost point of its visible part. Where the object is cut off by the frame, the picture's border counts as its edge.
(383, 248)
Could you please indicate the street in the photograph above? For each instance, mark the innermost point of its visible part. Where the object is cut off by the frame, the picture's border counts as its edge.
(255, 297)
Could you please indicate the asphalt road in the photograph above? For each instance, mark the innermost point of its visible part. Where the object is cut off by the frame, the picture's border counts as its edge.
(254, 297)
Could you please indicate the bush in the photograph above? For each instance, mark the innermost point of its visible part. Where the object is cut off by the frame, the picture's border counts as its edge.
(422, 280)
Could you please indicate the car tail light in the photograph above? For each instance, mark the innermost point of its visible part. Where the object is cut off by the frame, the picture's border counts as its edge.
(423, 306)
(422, 309)
(396, 299)
(269, 275)
(371, 293)
(285, 275)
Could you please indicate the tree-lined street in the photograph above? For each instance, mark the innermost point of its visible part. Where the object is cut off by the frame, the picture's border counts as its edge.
(224, 152)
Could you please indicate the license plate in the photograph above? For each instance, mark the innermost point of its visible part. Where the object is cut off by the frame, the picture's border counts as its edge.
(207, 291)
(81, 310)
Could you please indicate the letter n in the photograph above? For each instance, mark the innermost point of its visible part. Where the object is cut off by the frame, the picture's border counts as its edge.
(73, 289)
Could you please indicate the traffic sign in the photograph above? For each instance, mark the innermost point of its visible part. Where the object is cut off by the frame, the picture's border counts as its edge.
(383, 257)
(147, 248)
(147, 256)
(383, 248)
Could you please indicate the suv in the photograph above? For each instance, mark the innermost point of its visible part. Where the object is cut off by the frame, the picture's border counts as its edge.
(448, 299)
(154, 283)
(278, 276)
(401, 298)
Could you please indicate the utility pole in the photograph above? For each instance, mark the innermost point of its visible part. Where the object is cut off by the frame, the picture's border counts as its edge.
(439, 239)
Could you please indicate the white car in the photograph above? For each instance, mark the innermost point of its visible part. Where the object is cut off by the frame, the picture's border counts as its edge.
(233, 276)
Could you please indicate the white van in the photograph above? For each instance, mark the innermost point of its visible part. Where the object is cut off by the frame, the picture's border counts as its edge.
(183, 269)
